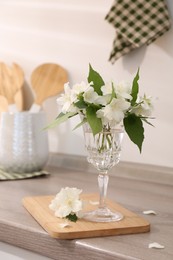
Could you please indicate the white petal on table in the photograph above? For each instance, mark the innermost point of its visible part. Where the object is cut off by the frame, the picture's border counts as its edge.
(155, 245)
(149, 212)
(63, 225)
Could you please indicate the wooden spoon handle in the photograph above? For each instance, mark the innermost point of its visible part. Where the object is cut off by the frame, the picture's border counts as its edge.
(3, 104)
(18, 75)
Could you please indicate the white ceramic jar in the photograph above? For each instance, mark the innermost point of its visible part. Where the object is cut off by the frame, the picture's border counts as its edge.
(23, 142)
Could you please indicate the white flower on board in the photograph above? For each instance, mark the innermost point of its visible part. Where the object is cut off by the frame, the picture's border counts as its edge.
(66, 202)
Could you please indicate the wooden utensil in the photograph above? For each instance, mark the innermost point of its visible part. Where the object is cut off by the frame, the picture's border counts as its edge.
(3, 104)
(19, 99)
(8, 87)
(18, 74)
(47, 80)
(11, 83)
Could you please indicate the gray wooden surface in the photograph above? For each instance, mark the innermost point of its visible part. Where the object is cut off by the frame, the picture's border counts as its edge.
(18, 228)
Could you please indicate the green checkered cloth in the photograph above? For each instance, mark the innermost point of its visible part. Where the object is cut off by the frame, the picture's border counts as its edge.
(137, 22)
(4, 176)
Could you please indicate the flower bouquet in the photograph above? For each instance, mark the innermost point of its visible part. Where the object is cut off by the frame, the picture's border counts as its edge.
(106, 105)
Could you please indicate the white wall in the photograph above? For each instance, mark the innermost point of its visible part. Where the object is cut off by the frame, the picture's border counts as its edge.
(74, 33)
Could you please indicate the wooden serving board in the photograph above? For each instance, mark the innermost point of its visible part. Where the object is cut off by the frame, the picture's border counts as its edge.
(38, 207)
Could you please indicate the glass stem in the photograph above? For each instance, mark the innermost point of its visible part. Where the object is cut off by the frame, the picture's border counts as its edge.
(103, 180)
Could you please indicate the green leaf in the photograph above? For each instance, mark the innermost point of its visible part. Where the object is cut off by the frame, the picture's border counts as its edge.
(80, 124)
(134, 128)
(94, 122)
(72, 217)
(146, 121)
(135, 88)
(97, 80)
(60, 119)
(81, 104)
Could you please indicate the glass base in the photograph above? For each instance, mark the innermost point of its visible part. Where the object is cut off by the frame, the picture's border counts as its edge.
(102, 215)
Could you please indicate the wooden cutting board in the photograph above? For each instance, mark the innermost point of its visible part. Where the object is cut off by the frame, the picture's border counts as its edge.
(130, 224)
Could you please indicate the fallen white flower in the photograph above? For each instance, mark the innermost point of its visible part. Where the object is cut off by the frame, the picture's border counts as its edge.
(149, 212)
(155, 245)
(94, 202)
(66, 202)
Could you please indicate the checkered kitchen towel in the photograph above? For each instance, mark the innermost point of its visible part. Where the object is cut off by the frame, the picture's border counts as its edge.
(137, 22)
(4, 176)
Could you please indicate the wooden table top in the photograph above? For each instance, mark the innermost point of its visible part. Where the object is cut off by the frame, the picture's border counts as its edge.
(17, 227)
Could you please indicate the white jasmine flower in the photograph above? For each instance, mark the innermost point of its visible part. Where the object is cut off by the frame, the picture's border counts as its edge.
(123, 89)
(103, 100)
(66, 100)
(113, 112)
(80, 87)
(66, 202)
(107, 88)
(107, 92)
(144, 108)
(90, 95)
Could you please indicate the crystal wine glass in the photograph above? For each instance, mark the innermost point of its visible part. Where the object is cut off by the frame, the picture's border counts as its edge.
(103, 153)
